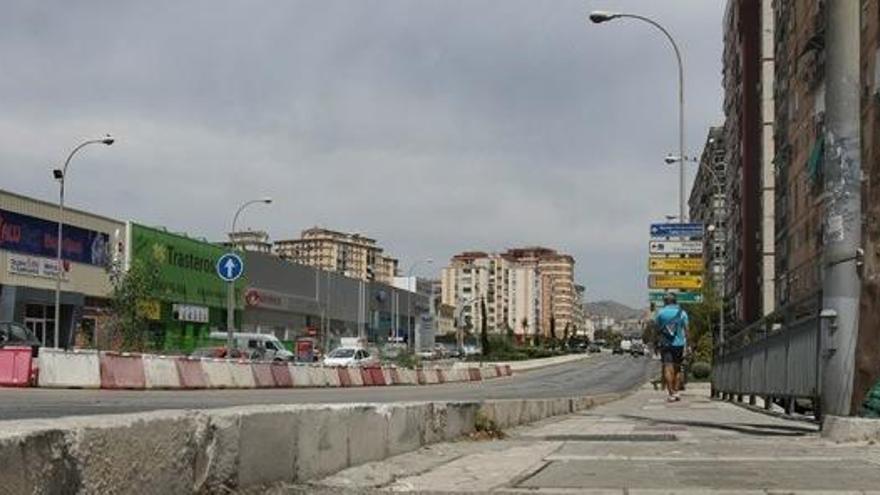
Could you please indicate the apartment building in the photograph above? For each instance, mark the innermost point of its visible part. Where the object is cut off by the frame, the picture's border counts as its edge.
(707, 204)
(748, 60)
(253, 241)
(800, 112)
(528, 291)
(351, 255)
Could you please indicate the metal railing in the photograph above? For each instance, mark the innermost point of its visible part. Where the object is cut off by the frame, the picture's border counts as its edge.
(778, 358)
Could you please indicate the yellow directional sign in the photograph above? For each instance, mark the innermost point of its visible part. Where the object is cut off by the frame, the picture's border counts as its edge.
(659, 281)
(675, 264)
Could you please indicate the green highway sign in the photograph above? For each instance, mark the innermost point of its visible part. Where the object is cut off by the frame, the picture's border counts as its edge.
(656, 296)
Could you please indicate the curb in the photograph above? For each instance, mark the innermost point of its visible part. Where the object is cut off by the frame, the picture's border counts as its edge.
(848, 429)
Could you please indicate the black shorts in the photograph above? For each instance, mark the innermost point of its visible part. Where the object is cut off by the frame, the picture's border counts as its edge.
(672, 355)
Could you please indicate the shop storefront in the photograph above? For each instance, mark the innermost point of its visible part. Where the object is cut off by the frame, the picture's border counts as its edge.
(190, 299)
(29, 269)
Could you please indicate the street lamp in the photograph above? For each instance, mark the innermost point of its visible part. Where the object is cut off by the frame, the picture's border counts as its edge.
(598, 17)
(714, 229)
(410, 330)
(60, 175)
(230, 286)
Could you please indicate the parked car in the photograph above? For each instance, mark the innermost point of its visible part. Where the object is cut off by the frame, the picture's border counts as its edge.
(440, 351)
(472, 350)
(258, 345)
(16, 334)
(637, 349)
(426, 354)
(594, 348)
(350, 357)
(617, 350)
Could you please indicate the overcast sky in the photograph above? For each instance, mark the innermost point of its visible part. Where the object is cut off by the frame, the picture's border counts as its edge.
(433, 126)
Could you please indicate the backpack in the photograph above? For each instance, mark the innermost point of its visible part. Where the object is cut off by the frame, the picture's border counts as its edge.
(671, 327)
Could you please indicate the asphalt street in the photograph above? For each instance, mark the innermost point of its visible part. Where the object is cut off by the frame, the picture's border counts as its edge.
(599, 374)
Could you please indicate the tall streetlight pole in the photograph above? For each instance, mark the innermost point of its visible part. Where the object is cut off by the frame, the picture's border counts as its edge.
(409, 326)
(61, 175)
(230, 286)
(720, 219)
(599, 17)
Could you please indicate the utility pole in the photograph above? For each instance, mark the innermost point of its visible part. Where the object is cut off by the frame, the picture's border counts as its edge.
(842, 223)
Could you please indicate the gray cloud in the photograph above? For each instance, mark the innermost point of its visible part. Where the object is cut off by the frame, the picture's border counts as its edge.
(434, 126)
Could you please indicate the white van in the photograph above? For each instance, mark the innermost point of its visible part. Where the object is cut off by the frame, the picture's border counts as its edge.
(258, 345)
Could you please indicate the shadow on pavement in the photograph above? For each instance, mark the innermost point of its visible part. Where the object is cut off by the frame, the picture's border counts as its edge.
(759, 430)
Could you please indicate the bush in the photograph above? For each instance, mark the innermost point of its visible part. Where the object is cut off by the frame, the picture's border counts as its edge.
(701, 370)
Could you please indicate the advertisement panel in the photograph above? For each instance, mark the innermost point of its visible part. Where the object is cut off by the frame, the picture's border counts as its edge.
(35, 236)
(186, 266)
(656, 281)
(675, 265)
(35, 267)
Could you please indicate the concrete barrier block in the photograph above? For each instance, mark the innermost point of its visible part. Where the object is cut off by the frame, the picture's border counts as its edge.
(16, 364)
(191, 373)
(460, 419)
(119, 453)
(161, 372)
(354, 374)
(395, 376)
(367, 434)
(242, 374)
(218, 373)
(122, 371)
(846, 429)
(387, 377)
(331, 376)
(36, 461)
(322, 446)
(69, 369)
(215, 469)
(301, 376)
(317, 376)
(405, 427)
(441, 375)
(408, 376)
(344, 377)
(262, 375)
(267, 445)
(281, 375)
(366, 377)
(430, 376)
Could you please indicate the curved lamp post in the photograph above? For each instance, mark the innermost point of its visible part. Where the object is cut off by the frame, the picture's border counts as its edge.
(61, 175)
(599, 17)
(230, 287)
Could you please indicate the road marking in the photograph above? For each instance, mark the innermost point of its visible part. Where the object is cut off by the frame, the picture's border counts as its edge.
(667, 458)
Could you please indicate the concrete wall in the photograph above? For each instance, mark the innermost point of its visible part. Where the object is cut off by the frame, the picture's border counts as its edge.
(212, 451)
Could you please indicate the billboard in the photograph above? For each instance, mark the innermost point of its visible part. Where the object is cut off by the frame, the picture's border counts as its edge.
(186, 266)
(39, 237)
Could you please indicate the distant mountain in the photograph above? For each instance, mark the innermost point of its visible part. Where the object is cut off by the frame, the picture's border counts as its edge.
(612, 309)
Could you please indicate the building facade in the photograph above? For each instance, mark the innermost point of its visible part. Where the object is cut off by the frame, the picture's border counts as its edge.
(256, 241)
(351, 255)
(708, 205)
(29, 270)
(527, 291)
(750, 237)
(800, 112)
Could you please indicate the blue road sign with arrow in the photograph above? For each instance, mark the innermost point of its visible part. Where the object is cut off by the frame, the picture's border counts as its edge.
(230, 267)
(676, 230)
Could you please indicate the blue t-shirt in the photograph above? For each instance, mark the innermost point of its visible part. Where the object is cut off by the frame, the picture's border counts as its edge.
(672, 313)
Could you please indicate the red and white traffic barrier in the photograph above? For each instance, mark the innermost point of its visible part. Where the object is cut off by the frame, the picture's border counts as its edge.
(69, 369)
(161, 372)
(16, 366)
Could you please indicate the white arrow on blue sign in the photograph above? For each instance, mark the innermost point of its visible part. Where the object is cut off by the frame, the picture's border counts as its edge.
(230, 267)
(676, 230)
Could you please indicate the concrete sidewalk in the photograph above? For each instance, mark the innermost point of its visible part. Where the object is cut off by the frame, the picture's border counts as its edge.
(640, 444)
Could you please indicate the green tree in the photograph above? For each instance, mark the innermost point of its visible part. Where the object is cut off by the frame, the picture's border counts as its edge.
(129, 305)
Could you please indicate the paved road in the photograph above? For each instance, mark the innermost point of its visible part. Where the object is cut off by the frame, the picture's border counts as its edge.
(638, 445)
(599, 374)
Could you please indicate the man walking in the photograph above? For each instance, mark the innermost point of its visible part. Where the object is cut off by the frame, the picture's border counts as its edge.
(672, 323)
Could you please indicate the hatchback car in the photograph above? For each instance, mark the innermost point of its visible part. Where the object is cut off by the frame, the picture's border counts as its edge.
(349, 356)
(15, 334)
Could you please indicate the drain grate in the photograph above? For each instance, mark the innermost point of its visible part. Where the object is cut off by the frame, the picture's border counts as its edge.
(627, 437)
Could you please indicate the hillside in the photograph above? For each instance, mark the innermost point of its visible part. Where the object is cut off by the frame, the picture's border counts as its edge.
(612, 309)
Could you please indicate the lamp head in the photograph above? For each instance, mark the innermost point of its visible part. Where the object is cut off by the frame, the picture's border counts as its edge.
(600, 16)
(108, 140)
(58, 174)
(670, 159)
(267, 200)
